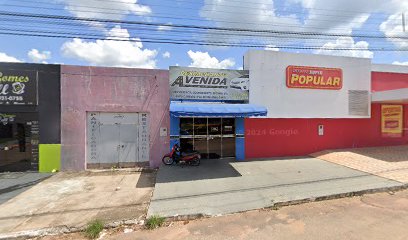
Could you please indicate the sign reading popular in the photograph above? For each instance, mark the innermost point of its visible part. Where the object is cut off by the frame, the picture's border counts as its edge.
(391, 120)
(18, 87)
(314, 77)
(209, 84)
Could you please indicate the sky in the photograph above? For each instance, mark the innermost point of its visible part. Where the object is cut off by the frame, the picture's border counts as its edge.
(354, 20)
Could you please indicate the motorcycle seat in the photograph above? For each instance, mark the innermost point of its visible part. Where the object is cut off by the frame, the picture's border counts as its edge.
(189, 153)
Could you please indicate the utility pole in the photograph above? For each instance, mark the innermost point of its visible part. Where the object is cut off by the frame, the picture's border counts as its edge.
(403, 22)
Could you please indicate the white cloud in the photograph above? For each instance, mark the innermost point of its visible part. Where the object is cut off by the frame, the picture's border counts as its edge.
(255, 14)
(323, 16)
(6, 58)
(116, 9)
(344, 20)
(400, 63)
(165, 27)
(392, 28)
(37, 56)
(271, 47)
(353, 14)
(111, 53)
(166, 54)
(346, 43)
(204, 60)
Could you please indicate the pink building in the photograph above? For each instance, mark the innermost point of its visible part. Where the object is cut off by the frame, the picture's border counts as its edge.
(113, 117)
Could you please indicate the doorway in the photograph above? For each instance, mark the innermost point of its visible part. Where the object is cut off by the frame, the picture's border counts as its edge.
(212, 137)
(16, 148)
(117, 139)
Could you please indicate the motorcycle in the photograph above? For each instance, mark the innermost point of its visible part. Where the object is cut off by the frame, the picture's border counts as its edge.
(178, 157)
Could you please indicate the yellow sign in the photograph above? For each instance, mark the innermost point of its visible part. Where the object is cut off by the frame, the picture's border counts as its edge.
(391, 120)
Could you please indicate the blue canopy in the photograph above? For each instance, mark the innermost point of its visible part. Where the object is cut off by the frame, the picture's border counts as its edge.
(216, 110)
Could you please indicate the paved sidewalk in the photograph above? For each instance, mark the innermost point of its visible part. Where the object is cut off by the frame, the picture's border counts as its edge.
(388, 162)
(71, 200)
(220, 187)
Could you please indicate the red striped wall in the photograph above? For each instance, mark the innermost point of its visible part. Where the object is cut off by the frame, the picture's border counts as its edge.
(269, 137)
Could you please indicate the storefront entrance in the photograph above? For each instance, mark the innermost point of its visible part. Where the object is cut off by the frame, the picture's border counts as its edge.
(212, 137)
(18, 142)
(117, 139)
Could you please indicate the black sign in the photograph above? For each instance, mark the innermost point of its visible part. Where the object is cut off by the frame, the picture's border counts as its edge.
(18, 87)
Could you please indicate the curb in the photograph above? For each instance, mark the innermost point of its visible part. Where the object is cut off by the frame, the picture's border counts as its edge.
(278, 205)
(340, 195)
(65, 229)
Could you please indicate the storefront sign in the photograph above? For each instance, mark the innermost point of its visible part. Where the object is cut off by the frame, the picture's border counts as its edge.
(209, 84)
(314, 77)
(6, 118)
(18, 87)
(391, 120)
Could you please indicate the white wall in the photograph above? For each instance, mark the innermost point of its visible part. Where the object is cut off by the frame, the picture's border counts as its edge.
(268, 84)
(393, 68)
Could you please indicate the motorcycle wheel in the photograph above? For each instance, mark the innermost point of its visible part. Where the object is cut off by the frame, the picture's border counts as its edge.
(167, 160)
(195, 162)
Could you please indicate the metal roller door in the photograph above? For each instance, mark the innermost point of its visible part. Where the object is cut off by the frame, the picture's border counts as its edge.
(115, 138)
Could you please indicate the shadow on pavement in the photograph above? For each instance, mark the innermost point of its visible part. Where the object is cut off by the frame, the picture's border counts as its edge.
(208, 169)
(146, 179)
(14, 183)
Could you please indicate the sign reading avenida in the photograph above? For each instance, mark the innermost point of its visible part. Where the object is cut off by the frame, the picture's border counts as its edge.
(209, 84)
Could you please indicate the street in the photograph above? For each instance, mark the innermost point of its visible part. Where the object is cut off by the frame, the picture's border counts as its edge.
(375, 216)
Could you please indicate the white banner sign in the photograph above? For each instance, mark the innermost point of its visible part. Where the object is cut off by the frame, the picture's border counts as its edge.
(209, 84)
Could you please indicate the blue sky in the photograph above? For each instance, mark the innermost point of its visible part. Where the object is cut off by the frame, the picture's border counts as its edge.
(344, 17)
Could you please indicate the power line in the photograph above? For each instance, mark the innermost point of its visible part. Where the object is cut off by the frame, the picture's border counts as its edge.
(217, 20)
(231, 1)
(200, 44)
(119, 10)
(144, 31)
(96, 20)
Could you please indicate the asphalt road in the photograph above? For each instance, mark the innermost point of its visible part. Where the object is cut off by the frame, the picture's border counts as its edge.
(373, 216)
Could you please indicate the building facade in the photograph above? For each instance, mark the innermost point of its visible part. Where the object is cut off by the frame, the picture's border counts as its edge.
(113, 117)
(30, 123)
(60, 117)
(302, 120)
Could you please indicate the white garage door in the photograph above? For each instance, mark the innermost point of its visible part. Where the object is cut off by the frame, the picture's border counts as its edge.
(114, 138)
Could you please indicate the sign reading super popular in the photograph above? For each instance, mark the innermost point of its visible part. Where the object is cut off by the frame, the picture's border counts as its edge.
(18, 87)
(314, 77)
(209, 84)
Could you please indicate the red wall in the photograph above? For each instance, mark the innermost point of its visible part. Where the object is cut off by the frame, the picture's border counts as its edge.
(269, 137)
(382, 81)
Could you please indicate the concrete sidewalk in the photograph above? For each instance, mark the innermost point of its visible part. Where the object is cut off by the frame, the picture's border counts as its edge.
(220, 187)
(71, 200)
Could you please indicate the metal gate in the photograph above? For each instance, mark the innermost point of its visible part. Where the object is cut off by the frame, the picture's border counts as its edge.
(117, 138)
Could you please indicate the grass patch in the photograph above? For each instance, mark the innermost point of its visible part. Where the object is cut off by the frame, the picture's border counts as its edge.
(154, 221)
(93, 229)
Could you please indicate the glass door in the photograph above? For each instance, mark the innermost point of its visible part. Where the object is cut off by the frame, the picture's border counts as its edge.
(212, 137)
(228, 137)
(201, 136)
(15, 143)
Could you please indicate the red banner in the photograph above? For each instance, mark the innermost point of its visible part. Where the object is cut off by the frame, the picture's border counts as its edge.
(314, 77)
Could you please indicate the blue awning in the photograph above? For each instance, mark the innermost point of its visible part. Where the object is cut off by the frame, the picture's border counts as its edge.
(216, 110)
